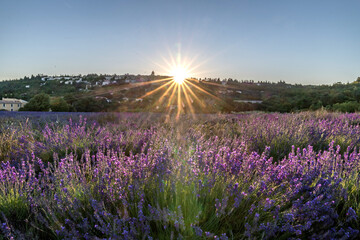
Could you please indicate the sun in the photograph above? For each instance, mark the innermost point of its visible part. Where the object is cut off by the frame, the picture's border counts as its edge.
(179, 92)
(180, 74)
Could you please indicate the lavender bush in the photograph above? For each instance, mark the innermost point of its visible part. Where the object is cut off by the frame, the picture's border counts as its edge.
(138, 176)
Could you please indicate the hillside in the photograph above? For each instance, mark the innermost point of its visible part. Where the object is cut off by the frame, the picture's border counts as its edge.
(95, 92)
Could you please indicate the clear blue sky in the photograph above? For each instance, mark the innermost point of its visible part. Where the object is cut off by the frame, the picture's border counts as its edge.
(308, 42)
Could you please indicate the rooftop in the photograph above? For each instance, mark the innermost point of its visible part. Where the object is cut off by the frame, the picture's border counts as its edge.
(12, 100)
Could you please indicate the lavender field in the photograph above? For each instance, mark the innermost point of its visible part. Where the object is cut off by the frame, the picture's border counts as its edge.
(141, 176)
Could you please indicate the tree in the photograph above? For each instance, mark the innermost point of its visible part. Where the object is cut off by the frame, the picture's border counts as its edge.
(70, 98)
(89, 104)
(40, 102)
(351, 106)
(59, 105)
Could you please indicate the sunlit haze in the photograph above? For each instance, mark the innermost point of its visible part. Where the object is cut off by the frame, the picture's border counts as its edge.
(307, 42)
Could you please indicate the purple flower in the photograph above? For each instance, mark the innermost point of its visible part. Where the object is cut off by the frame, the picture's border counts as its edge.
(351, 215)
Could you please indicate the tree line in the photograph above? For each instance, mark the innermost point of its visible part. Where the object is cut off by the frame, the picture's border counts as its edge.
(43, 102)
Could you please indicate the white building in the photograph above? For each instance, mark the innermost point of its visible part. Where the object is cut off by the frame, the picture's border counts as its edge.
(12, 104)
(106, 82)
(69, 82)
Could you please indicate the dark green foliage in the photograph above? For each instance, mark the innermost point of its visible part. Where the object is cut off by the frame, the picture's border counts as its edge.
(89, 104)
(338, 97)
(40, 102)
(60, 105)
(350, 107)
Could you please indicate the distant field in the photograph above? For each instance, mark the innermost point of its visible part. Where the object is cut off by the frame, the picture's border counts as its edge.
(152, 176)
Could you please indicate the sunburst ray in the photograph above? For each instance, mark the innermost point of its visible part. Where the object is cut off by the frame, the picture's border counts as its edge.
(155, 90)
(194, 95)
(187, 98)
(203, 90)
